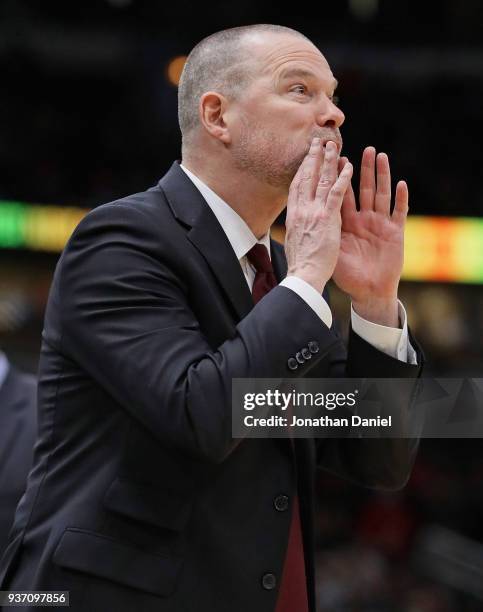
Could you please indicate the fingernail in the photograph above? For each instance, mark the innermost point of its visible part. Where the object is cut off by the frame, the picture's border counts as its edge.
(316, 141)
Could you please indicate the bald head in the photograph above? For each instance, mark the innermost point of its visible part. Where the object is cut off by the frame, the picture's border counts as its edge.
(223, 63)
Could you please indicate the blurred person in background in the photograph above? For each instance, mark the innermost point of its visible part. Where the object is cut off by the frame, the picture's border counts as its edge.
(18, 430)
(140, 499)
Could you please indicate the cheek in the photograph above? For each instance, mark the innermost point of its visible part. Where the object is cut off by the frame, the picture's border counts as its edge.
(282, 127)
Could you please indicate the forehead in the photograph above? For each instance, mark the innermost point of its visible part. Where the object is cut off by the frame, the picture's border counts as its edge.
(277, 55)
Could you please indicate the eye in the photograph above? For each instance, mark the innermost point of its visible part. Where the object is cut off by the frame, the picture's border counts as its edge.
(301, 89)
(335, 100)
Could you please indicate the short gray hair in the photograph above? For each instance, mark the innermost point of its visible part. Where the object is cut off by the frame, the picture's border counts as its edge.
(220, 62)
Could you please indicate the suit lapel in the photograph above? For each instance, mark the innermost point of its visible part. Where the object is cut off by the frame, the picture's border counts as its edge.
(210, 239)
(207, 235)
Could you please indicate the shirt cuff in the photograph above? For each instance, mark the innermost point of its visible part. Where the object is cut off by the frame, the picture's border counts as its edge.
(311, 296)
(390, 340)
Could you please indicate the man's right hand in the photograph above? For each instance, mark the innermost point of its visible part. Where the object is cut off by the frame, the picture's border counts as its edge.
(313, 222)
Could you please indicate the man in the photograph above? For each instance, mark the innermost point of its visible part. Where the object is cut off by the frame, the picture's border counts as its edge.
(140, 499)
(18, 428)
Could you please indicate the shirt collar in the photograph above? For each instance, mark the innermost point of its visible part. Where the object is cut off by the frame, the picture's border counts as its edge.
(237, 231)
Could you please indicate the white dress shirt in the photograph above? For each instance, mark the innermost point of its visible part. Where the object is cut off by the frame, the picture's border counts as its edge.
(390, 340)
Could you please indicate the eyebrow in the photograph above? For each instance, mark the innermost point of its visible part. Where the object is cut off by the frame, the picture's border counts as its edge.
(301, 72)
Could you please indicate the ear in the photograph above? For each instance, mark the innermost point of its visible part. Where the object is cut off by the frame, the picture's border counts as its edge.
(212, 115)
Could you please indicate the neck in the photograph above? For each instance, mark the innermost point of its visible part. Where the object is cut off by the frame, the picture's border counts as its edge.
(257, 203)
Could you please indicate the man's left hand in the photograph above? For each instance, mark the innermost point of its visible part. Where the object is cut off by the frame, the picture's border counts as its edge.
(372, 244)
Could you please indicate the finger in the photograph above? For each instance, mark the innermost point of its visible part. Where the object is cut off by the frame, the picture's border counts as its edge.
(296, 186)
(293, 194)
(349, 201)
(338, 190)
(367, 186)
(310, 171)
(342, 162)
(297, 179)
(401, 205)
(328, 174)
(382, 201)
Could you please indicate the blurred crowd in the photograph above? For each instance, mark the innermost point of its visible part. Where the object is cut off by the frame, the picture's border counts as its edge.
(403, 552)
(89, 115)
(91, 138)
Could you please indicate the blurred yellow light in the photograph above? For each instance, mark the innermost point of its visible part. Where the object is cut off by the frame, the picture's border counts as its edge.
(175, 68)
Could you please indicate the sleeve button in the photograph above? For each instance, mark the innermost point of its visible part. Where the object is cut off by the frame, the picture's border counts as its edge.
(299, 358)
(292, 364)
(306, 354)
(313, 347)
(281, 503)
(269, 581)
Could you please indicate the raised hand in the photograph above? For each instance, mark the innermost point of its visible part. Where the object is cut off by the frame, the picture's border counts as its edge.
(372, 242)
(313, 222)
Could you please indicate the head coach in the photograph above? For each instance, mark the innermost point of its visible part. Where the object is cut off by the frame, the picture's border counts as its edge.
(139, 498)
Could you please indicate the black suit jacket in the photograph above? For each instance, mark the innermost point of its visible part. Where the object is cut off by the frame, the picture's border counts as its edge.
(18, 428)
(139, 498)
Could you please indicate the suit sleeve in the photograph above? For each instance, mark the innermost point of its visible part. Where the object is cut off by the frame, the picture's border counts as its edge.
(126, 321)
(383, 463)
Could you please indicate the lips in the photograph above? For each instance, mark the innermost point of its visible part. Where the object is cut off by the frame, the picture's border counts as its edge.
(337, 141)
(327, 136)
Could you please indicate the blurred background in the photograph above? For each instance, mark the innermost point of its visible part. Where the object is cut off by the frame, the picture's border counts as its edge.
(88, 114)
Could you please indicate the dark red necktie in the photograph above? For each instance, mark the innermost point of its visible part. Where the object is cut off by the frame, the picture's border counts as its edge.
(292, 596)
(265, 279)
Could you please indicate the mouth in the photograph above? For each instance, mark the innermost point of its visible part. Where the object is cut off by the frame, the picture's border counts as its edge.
(338, 143)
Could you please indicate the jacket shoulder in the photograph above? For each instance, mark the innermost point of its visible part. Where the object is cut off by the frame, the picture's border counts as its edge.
(145, 205)
(142, 218)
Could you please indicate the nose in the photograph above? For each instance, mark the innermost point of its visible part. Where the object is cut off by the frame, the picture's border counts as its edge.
(330, 115)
